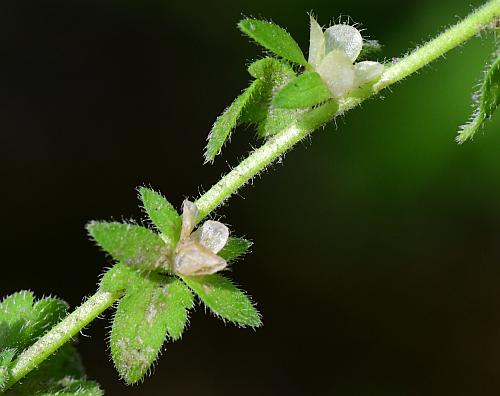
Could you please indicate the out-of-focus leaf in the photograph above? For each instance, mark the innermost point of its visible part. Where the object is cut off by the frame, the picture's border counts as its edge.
(304, 91)
(152, 307)
(131, 244)
(6, 358)
(274, 38)
(235, 247)
(269, 119)
(488, 99)
(162, 214)
(224, 299)
(370, 49)
(73, 387)
(22, 321)
(224, 125)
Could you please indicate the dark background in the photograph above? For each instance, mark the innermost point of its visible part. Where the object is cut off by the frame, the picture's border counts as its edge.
(376, 257)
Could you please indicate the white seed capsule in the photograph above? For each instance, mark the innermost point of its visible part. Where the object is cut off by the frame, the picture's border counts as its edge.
(212, 234)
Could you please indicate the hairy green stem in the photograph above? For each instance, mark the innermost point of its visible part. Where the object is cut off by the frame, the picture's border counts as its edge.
(60, 334)
(281, 143)
(257, 161)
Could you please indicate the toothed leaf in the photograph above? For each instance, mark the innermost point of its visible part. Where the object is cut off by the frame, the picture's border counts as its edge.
(152, 306)
(235, 247)
(224, 299)
(131, 244)
(224, 125)
(304, 91)
(163, 215)
(488, 101)
(274, 38)
(22, 321)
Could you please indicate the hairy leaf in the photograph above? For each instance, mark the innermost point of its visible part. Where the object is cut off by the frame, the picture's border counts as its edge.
(151, 308)
(6, 358)
(370, 48)
(235, 247)
(266, 68)
(224, 299)
(163, 215)
(119, 278)
(487, 100)
(73, 387)
(304, 91)
(274, 38)
(22, 321)
(131, 244)
(64, 365)
(269, 119)
(224, 125)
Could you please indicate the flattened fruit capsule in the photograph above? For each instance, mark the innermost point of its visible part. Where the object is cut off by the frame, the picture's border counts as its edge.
(193, 258)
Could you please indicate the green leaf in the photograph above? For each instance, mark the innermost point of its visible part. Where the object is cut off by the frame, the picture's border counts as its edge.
(269, 119)
(162, 214)
(488, 99)
(22, 321)
(64, 365)
(151, 308)
(6, 358)
(224, 299)
(131, 244)
(274, 38)
(119, 278)
(235, 247)
(224, 125)
(269, 68)
(178, 302)
(304, 91)
(370, 49)
(73, 387)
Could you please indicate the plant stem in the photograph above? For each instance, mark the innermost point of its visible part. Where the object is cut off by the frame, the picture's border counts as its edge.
(60, 334)
(277, 146)
(257, 161)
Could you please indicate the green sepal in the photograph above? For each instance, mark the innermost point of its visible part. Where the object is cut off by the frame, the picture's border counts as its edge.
(488, 99)
(303, 91)
(163, 215)
(274, 38)
(235, 248)
(131, 244)
(224, 299)
(224, 125)
(153, 306)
